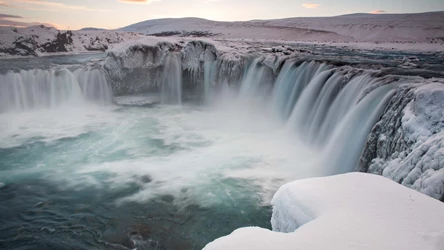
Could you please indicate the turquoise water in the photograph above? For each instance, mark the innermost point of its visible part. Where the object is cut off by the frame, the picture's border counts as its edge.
(145, 177)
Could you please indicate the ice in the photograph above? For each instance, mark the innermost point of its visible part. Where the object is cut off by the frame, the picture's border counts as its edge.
(350, 211)
(136, 66)
(410, 147)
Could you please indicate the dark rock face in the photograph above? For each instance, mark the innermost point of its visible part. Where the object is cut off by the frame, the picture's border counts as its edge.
(95, 44)
(29, 45)
(59, 44)
(23, 46)
(387, 136)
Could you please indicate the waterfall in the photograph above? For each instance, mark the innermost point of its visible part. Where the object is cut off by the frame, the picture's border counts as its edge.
(171, 80)
(347, 142)
(322, 108)
(209, 77)
(94, 86)
(290, 83)
(35, 89)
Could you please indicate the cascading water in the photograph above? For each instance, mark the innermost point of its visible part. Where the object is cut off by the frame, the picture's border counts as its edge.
(323, 110)
(209, 78)
(171, 81)
(94, 86)
(36, 89)
(256, 82)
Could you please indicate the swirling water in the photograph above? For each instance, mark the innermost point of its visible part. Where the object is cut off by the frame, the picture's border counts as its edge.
(145, 177)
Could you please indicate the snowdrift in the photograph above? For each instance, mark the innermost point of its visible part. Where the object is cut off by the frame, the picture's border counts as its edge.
(351, 211)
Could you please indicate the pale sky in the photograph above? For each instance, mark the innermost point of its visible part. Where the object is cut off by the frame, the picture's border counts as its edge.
(111, 14)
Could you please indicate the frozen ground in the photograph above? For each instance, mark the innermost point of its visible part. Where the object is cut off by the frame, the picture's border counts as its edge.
(42, 40)
(351, 211)
(418, 32)
(424, 31)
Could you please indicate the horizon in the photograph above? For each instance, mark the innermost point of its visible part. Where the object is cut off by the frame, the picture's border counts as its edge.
(63, 14)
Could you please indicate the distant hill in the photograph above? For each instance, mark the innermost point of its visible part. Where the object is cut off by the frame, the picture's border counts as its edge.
(359, 27)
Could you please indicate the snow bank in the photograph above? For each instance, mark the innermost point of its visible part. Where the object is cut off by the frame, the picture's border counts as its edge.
(40, 40)
(351, 211)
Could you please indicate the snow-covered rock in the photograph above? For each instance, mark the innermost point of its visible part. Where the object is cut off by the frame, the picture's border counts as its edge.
(407, 144)
(136, 66)
(351, 211)
(40, 40)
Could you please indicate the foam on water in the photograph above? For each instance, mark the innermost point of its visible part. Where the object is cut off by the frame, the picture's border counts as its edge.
(186, 152)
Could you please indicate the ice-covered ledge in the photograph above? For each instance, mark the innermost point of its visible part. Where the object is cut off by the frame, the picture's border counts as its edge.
(136, 66)
(350, 211)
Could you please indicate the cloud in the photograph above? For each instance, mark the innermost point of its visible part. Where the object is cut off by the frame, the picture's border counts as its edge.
(58, 6)
(11, 20)
(138, 1)
(3, 4)
(2, 16)
(310, 5)
(377, 12)
(5, 20)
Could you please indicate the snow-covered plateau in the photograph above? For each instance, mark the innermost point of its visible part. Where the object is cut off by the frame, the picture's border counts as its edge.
(350, 211)
(422, 32)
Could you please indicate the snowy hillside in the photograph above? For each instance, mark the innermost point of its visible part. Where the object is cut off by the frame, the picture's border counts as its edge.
(352, 211)
(38, 40)
(423, 27)
(424, 31)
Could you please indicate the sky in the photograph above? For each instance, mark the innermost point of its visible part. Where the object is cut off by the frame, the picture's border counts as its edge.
(113, 14)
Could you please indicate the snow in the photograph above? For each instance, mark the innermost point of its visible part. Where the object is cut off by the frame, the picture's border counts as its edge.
(413, 32)
(350, 211)
(134, 65)
(424, 115)
(40, 40)
(411, 152)
(422, 32)
(371, 28)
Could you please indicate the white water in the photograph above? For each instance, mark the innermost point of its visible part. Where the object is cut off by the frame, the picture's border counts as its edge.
(37, 89)
(323, 111)
(171, 82)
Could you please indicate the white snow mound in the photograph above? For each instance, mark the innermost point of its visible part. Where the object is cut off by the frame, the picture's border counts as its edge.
(350, 211)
